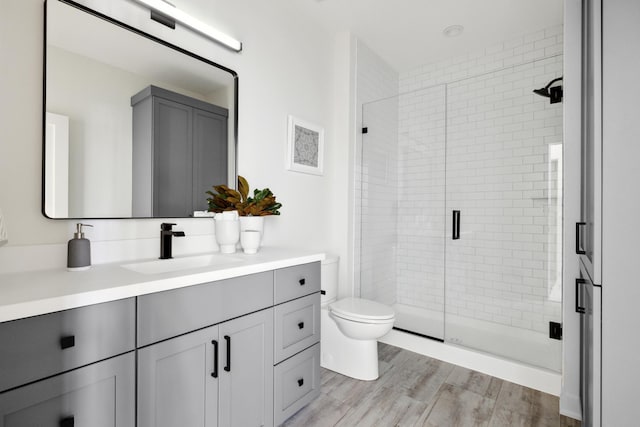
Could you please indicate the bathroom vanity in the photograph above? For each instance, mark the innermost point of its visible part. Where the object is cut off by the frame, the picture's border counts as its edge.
(232, 343)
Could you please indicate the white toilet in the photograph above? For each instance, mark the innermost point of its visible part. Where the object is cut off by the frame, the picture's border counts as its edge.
(350, 328)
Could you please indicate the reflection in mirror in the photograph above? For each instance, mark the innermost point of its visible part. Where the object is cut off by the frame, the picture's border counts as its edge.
(134, 127)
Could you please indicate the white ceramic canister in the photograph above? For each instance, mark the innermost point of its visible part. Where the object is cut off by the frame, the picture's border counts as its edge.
(227, 231)
(253, 223)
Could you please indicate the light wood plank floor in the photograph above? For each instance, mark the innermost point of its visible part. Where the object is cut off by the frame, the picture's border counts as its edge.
(415, 390)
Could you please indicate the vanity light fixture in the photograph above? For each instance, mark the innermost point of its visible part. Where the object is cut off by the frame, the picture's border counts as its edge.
(173, 12)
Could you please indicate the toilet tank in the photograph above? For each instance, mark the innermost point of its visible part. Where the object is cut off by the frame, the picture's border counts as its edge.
(329, 278)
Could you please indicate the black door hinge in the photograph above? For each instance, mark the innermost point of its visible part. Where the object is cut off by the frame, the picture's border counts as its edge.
(555, 330)
(365, 130)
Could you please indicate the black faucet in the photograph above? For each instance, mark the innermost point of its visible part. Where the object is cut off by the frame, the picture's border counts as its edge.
(166, 233)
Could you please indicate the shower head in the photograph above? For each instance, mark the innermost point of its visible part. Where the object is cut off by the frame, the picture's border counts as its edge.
(554, 93)
(542, 92)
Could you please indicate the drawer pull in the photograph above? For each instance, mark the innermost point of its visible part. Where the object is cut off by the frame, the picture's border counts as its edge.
(67, 342)
(214, 374)
(302, 281)
(227, 338)
(301, 325)
(300, 382)
(67, 422)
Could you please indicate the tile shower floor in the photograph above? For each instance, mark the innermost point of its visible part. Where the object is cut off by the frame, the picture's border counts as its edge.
(416, 390)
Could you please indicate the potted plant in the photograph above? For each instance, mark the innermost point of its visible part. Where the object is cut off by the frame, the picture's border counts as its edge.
(251, 210)
(263, 202)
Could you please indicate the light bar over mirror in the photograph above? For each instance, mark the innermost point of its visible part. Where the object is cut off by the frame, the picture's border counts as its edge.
(187, 20)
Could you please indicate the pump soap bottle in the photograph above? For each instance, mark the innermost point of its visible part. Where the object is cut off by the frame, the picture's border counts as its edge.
(79, 250)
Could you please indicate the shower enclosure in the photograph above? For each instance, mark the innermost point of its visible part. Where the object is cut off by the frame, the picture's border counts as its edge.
(460, 211)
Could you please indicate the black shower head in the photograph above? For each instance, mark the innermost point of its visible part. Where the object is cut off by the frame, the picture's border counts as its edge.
(555, 93)
(542, 92)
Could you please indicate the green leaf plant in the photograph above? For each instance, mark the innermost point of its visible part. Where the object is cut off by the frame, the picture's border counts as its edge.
(223, 198)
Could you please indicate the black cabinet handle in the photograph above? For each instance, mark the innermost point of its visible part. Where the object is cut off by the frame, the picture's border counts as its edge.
(67, 342)
(579, 228)
(300, 382)
(302, 281)
(227, 338)
(300, 325)
(579, 308)
(455, 231)
(67, 422)
(214, 374)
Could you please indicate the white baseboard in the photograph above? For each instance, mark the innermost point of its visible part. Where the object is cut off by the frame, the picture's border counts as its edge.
(570, 405)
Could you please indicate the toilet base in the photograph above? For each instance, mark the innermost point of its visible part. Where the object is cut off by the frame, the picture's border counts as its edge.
(354, 358)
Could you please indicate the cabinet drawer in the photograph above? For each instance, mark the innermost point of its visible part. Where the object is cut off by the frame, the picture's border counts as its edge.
(41, 346)
(98, 395)
(298, 281)
(297, 382)
(297, 325)
(170, 313)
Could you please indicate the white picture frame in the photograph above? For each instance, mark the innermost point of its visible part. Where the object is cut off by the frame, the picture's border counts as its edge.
(305, 148)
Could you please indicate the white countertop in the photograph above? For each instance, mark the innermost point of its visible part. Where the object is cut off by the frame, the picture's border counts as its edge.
(39, 292)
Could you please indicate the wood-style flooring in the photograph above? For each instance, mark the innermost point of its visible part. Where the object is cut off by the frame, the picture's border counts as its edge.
(415, 390)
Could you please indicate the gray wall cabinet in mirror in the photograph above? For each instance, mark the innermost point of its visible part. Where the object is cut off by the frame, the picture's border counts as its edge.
(179, 151)
(92, 164)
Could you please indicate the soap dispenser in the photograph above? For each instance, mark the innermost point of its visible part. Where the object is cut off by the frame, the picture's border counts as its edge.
(79, 250)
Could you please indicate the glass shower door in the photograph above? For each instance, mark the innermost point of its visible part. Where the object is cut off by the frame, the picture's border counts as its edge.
(504, 206)
(402, 208)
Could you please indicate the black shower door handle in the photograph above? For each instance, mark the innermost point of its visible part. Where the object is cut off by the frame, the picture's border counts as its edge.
(455, 231)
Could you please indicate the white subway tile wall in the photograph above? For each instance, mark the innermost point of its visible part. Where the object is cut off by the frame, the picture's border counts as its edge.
(502, 146)
(421, 206)
(502, 174)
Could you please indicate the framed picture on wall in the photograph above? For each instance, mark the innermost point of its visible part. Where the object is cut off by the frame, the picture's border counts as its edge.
(305, 147)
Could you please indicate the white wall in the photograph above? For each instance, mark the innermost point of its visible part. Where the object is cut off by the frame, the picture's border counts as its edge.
(286, 67)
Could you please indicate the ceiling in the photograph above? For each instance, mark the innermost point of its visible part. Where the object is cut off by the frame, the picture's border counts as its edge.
(408, 33)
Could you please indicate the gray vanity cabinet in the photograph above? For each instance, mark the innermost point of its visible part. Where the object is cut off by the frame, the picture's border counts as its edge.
(98, 395)
(246, 387)
(297, 339)
(175, 383)
(180, 147)
(70, 368)
(218, 376)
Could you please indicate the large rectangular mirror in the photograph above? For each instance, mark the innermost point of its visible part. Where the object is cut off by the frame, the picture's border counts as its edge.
(134, 127)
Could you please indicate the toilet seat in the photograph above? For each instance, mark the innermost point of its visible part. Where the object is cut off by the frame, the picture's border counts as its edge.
(362, 310)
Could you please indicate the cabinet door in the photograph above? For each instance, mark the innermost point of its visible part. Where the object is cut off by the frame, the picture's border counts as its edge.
(172, 127)
(98, 395)
(176, 386)
(246, 380)
(210, 149)
(621, 204)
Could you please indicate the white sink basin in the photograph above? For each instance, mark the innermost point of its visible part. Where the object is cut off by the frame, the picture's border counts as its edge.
(176, 264)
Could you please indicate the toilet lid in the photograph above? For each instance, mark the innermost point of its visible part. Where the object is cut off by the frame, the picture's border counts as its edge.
(359, 308)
